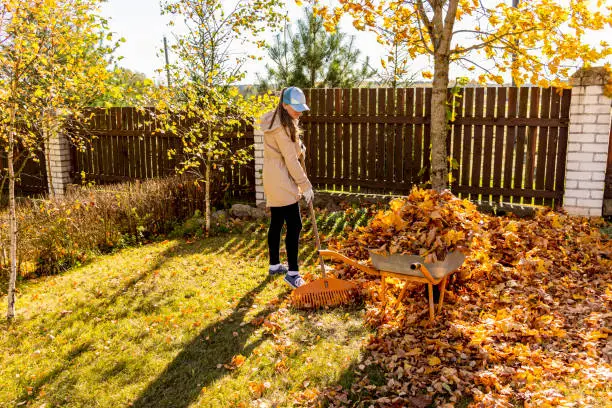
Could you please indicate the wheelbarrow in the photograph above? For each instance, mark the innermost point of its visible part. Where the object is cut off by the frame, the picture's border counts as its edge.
(411, 268)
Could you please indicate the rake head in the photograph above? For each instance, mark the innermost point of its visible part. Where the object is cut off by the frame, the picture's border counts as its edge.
(323, 292)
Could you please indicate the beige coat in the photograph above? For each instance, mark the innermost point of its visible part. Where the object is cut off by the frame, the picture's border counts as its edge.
(284, 179)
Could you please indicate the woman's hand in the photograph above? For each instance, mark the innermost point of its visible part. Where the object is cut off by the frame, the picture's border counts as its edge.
(308, 195)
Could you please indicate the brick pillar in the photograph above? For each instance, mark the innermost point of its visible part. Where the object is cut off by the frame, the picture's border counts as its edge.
(259, 149)
(587, 150)
(58, 154)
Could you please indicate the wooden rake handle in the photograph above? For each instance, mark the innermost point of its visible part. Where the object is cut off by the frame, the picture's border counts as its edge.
(313, 220)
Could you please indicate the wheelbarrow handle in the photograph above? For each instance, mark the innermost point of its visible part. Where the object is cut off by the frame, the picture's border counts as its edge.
(339, 257)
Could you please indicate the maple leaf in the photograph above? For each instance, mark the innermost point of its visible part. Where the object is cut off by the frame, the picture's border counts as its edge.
(237, 361)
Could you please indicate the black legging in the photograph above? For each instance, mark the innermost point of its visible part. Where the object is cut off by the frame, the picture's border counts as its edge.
(290, 214)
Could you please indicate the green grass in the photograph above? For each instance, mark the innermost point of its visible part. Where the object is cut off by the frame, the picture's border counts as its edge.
(155, 325)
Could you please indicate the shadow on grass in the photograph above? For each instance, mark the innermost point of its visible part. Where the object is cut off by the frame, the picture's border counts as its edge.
(68, 362)
(195, 367)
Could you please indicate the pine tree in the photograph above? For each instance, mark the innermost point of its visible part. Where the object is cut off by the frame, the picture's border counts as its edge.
(314, 58)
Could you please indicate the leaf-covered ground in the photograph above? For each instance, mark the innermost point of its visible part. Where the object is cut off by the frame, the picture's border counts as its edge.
(198, 323)
(527, 325)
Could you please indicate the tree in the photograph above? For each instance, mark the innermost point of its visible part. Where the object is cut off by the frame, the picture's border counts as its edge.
(395, 72)
(210, 53)
(538, 41)
(313, 58)
(396, 61)
(52, 60)
(126, 88)
(203, 105)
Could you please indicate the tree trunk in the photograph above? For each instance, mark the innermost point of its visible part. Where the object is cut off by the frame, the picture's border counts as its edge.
(12, 221)
(439, 168)
(209, 156)
(208, 193)
(46, 144)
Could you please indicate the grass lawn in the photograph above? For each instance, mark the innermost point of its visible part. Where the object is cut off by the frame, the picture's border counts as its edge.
(173, 324)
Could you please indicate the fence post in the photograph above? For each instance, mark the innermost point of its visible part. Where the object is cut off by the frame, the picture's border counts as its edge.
(587, 150)
(59, 164)
(259, 160)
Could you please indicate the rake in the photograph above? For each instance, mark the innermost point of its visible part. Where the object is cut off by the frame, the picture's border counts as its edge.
(325, 291)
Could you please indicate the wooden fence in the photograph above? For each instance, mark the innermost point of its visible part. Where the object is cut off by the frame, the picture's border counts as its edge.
(32, 180)
(509, 143)
(126, 147)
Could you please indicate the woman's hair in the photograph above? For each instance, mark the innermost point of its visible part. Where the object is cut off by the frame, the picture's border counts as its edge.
(285, 119)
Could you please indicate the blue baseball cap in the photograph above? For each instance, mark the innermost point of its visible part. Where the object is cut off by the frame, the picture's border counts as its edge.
(294, 97)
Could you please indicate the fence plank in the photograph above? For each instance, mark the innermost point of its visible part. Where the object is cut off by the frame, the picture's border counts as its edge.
(346, 135)
(466, 139)
(355, 146)
(150, 143)
(478, 142)
(127, 114)
(449, 135)
(108, 146)
(87, 158)
(553, 132)
(488, 141)
(143, 145)
(456, 131)
(338, 139)
(321, 134)
(329, 139)
(427, 138)
(389, 136)
(95, 123)
(418, 137)
(542, 144)
(562, 143)
(520, 141)
(381, 135)
(398, 164)
(501, 106)
(372, 136)
(363, 135)
(112, 124)
(155, 149)
(534, 106)
(125, 164)
(510, 142)
(307, 131)
(409, 175)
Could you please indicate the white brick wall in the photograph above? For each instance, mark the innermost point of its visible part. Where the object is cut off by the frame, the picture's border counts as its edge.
(589, 133)
(259, 192)
(58, 149)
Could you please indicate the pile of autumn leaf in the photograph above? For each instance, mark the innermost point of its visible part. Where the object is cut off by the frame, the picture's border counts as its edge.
(529, 327)
(425, 223)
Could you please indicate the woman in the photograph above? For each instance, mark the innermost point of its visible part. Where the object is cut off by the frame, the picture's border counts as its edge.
(284, 180)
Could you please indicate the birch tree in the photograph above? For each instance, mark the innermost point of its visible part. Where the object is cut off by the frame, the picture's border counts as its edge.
(52, 60)
(203, 106)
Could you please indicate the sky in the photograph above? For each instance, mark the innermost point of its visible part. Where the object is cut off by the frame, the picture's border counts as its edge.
(143, 27)
(141, 24)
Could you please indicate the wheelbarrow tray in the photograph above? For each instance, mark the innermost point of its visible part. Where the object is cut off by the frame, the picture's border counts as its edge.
(408, 264)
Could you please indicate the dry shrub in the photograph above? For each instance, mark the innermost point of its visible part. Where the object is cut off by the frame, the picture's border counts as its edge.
(55, 234)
